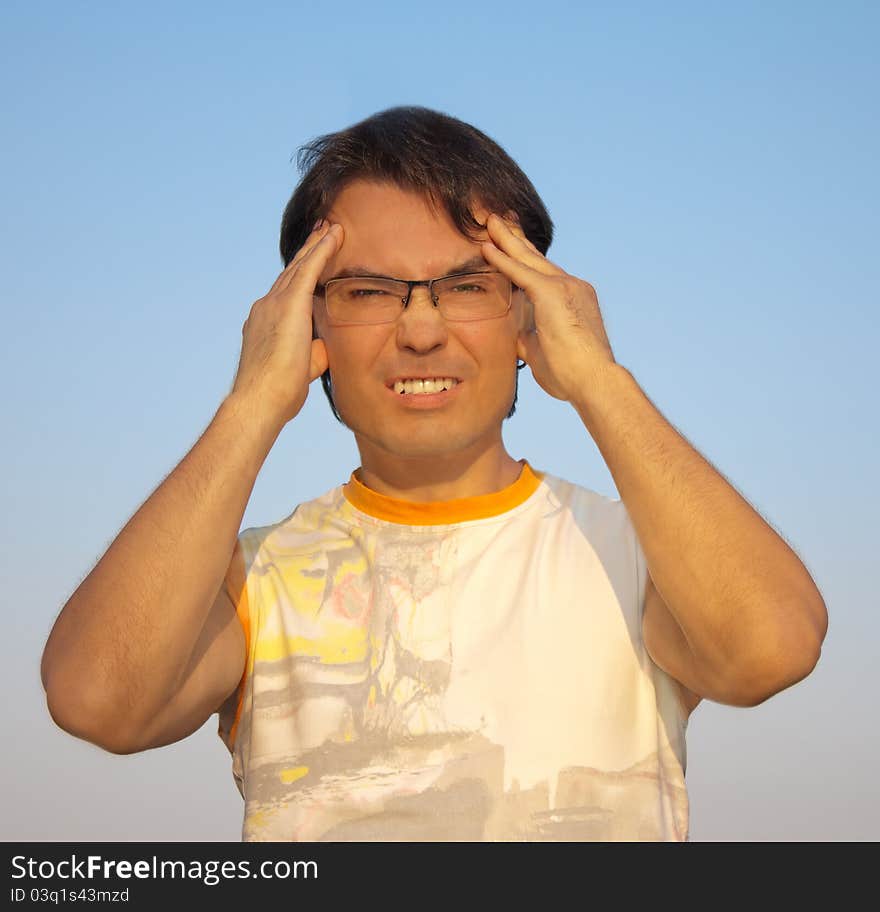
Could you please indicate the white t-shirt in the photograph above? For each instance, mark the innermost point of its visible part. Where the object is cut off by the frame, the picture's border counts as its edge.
(465, 670)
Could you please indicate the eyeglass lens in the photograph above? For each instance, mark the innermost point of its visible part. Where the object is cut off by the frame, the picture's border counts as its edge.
(475, 296)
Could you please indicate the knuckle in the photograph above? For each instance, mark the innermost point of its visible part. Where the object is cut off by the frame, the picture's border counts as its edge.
(255, 310)
(562, 282)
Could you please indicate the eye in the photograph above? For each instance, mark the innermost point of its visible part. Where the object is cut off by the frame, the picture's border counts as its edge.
(366, 292)
(469, 287)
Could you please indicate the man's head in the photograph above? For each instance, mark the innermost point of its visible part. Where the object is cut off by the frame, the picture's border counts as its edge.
(412, 188)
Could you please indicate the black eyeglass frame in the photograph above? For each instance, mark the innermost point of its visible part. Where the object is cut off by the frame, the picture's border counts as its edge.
(321, 292)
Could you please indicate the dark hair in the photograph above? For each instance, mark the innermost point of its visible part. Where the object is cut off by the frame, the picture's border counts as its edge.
(450, 162)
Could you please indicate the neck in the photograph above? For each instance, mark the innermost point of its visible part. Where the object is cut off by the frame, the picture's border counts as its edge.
(438, 477)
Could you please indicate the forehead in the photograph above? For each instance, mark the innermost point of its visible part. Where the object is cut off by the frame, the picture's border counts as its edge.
(397, 232)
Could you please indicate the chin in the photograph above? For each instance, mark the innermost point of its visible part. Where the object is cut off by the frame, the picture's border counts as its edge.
(430, 442)
(436, 440)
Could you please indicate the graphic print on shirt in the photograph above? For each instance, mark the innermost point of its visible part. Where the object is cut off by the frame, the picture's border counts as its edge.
(367, 717)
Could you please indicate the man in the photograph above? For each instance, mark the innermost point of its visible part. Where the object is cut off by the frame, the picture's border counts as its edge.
(452, 645)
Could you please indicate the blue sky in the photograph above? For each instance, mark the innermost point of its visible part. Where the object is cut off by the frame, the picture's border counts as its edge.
(710, 169)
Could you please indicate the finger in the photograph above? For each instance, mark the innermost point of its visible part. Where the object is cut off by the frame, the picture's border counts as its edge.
(314, 237)
(521, 234)
(531, 253)
(318, 232)
(312, 264)
(515, 228)
(327, 238)
(519, 273)
(512, 222)
(517, 245)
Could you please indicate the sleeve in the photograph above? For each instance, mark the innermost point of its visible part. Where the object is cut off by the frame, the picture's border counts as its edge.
(235, 586)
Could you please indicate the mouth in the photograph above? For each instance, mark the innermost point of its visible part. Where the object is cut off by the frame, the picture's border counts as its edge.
(421, 393)
(422, 386)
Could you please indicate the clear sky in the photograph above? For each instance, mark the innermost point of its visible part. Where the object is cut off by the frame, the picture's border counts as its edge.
(710, 168)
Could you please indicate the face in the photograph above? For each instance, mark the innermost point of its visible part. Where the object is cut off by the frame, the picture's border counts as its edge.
(396, 233)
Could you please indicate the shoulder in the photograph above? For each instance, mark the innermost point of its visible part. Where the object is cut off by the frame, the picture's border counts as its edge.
(602, 522)
(325, 514)
(583, 502)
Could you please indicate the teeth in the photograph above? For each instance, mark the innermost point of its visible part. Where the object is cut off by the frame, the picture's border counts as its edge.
(417, 387)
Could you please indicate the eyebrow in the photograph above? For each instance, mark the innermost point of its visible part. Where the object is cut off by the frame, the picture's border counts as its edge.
(474, 263)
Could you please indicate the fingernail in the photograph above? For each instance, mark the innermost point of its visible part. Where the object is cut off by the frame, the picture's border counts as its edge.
(318, 224)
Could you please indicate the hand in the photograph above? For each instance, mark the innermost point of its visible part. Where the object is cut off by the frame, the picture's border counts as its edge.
(567, 342)
(279, 357)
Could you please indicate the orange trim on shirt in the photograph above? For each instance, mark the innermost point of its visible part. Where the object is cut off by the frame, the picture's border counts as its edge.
(236, 588)
(442, 512)
(244, 616)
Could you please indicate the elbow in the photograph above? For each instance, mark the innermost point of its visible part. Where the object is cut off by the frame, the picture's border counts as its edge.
(86, 717)
(777, 667)
(761, 687)
(806, 648)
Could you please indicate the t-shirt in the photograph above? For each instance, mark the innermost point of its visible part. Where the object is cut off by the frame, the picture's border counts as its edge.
(463, 670)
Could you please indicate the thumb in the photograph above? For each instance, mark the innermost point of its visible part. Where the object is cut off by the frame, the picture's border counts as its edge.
(319, 361)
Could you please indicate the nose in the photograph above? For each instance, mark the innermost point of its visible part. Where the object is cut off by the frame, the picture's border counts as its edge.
(420, 326)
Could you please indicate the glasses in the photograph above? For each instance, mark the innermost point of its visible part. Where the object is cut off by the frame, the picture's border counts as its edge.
(461, 297)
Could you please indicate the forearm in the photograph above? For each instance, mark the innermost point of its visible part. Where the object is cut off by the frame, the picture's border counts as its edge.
(122, 641)
(734, 586)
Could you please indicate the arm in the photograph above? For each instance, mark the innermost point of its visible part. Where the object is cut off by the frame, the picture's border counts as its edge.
(148, 619)
(148, 646)
(748, 618)
(730, 610)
